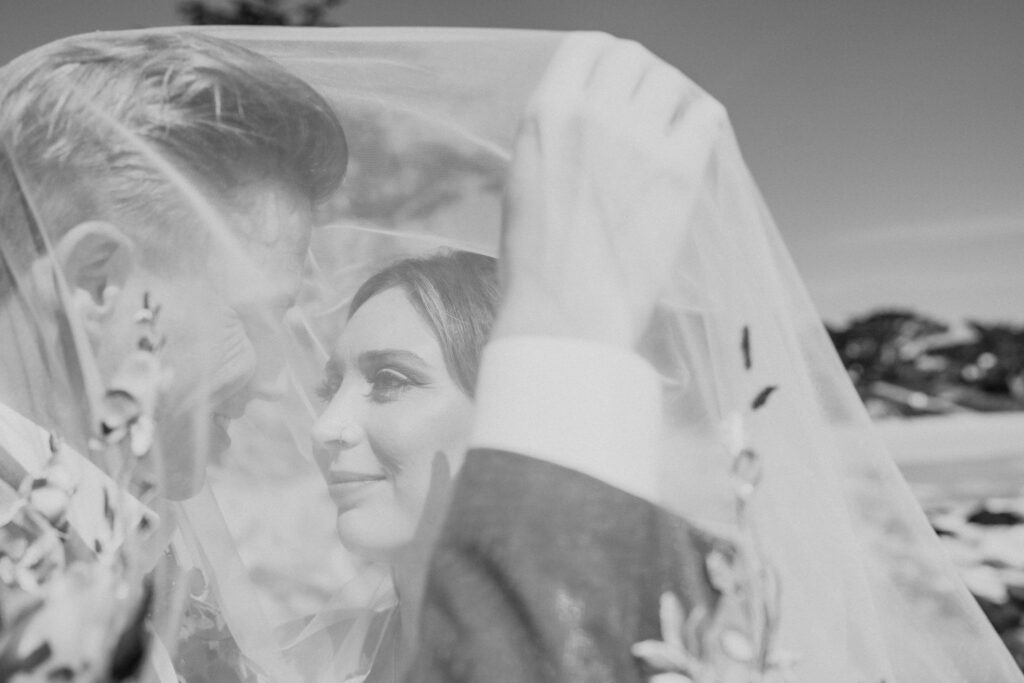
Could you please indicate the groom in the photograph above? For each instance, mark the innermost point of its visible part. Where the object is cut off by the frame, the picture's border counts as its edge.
(170, 168)
(78, 121)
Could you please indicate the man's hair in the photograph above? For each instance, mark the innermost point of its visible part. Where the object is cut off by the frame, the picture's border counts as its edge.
(80, 121)
(457, 294)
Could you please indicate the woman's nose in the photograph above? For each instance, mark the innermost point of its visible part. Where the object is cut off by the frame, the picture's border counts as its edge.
(338, 425)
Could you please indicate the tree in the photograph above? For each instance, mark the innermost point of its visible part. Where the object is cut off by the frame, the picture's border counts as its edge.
(998, 362)
(878, 346)
(260, 12)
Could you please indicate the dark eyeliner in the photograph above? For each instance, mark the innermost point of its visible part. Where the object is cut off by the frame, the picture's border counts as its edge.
(388, 384)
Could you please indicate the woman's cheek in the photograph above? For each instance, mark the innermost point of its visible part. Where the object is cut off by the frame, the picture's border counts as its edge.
(409, 441)
(405, 433)
(393, 440)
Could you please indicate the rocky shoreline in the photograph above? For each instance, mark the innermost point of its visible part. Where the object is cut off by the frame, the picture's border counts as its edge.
(985, 540)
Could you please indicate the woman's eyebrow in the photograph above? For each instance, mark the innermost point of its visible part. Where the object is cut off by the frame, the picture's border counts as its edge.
(378, 357)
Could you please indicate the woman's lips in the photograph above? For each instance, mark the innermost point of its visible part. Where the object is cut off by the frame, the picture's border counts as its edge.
(348, 489)
(337, 477)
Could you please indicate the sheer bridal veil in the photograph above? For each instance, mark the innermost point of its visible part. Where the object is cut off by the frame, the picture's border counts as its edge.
(764, 440)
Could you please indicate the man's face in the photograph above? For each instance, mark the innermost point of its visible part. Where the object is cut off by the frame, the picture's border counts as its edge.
(222, 323)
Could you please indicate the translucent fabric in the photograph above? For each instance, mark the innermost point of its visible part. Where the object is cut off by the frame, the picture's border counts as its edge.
(764, 440)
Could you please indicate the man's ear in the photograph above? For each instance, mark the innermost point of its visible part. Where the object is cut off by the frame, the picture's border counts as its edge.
(96, 258)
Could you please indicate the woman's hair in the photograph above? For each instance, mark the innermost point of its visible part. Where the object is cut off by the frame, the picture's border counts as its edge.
(456, 292)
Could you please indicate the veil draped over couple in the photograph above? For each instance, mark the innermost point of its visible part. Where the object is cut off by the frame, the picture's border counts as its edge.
(428, 355)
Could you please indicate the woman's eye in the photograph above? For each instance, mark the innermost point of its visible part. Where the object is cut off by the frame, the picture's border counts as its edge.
(387, 385)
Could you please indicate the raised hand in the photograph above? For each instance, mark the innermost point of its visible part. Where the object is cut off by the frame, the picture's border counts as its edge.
(608, 163)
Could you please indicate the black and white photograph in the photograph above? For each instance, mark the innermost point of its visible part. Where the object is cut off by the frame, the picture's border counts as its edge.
(556, 341)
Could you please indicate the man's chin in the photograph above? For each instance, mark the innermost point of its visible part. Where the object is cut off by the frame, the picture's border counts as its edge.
(183, 488)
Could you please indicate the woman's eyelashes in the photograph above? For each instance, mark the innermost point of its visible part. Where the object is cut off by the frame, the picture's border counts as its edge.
(388, 384)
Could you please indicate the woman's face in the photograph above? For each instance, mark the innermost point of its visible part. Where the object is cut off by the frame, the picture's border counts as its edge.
(395, 427)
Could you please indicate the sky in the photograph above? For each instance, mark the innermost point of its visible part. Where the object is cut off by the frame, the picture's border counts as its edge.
(886, 135)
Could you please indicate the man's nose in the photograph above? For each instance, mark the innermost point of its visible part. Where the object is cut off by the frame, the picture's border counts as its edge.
(270, 381)
(270, 384)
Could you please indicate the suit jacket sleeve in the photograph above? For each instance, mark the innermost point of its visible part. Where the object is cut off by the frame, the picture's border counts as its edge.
(544, 574)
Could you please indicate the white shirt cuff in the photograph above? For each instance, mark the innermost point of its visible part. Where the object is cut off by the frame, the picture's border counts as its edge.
(589, 407)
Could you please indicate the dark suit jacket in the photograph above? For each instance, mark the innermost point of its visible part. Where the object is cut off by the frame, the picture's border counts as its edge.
(543, 574)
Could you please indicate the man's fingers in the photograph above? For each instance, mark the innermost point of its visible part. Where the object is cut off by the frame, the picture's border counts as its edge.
(662, 94)
(619, 71)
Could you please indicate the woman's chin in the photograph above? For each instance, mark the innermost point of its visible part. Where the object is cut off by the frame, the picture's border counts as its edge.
(368, 536)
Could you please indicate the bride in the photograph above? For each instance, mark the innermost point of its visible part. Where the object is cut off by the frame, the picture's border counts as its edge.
(398, 394)
(654, 361)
